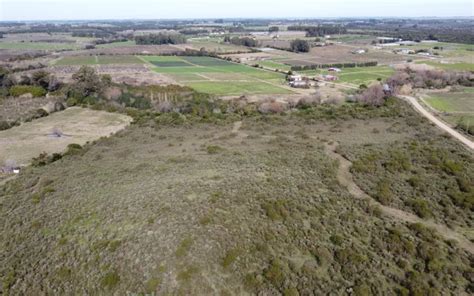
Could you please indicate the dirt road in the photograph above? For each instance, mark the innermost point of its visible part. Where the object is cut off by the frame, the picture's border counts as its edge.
(344, 176)
(418, 107)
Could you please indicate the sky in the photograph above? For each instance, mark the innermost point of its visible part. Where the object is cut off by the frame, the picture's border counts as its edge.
(18, 10)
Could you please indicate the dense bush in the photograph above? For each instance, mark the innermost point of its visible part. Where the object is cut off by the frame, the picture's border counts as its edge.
(244, 41)
(35, 91)
(161, 38)
(429, 78)
(300, 45)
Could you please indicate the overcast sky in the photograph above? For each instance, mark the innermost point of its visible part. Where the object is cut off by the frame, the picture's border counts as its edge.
(159, 9)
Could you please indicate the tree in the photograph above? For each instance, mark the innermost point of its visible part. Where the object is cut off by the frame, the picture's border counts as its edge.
(87, 82)
(373, 96)
(299, 45)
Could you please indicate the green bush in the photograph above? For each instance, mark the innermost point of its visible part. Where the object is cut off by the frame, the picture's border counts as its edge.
(110, 280)
(383, 192)
(73, 149)
(35, 91)
(213, 149)
(420, 207)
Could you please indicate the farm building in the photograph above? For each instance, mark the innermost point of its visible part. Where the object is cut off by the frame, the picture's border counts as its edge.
(334, 70)
(359, 51)
(300, 84)
(295, 78)
(405, 51)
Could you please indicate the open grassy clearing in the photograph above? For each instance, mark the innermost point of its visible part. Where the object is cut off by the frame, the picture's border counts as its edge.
(197, 209)
(219, 77)
(98, 60)
(79, 126)
(450, 66)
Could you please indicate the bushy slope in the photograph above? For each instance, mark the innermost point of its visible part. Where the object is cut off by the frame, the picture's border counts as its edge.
(200, 210)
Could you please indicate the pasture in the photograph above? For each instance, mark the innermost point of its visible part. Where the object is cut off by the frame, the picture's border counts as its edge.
(78, 125)
(218, 77)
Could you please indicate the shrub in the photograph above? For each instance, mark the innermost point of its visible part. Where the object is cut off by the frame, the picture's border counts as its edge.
(276, 210)
(213, 149)
(383, 192)
(110, 280)
(275, 273)
(272, 107)
(230, 257)
(310, 101)
(4, 125)
(35, 91)
(73, 149)
(184, 247)
(420, 207)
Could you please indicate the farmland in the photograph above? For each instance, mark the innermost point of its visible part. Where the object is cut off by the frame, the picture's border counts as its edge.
(453, 106)
(97, 60)
(219, 77)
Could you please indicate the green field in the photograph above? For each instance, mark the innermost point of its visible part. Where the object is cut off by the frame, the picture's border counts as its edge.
(458, 101)
(98, 60)
(456, 106)
(219, 77)
(357, 76)
(38, 46)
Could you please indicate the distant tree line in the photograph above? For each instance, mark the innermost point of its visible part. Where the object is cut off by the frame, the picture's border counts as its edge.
(160, 38)
(273, 29)
(336, 65)
(193, 31)
(449, 30)
(320, 30)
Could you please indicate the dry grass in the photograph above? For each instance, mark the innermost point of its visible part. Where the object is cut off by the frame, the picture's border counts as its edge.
(79, 126)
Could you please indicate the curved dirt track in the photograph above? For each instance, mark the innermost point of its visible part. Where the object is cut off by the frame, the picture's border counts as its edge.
(344, 176)
(418, 107)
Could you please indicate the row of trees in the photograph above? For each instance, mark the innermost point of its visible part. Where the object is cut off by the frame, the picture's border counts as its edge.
(335, 65)
(160, 38)
(320, 30)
